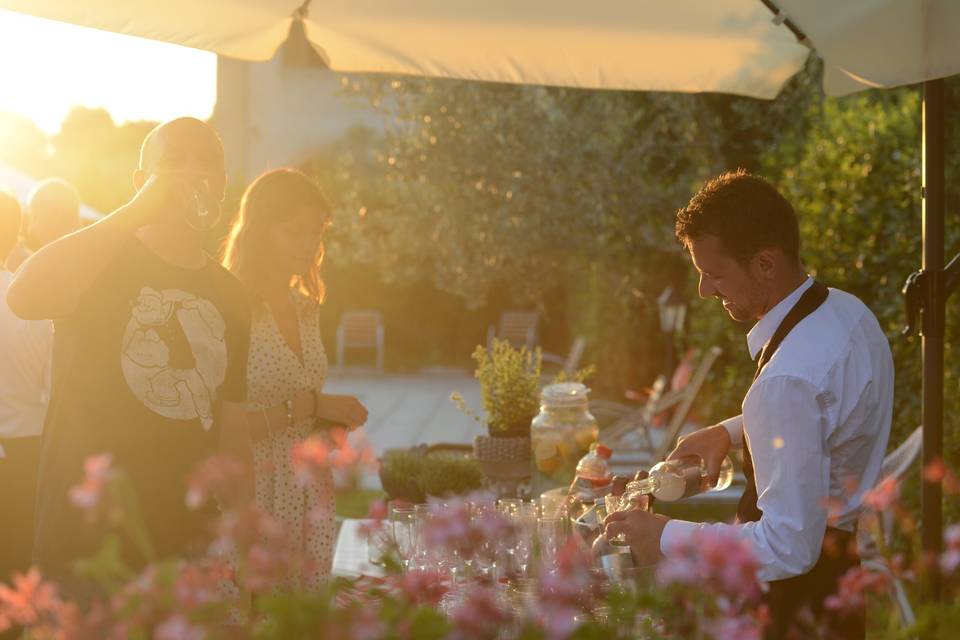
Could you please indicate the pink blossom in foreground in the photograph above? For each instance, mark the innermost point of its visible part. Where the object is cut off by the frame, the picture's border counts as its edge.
(467, 531)
(311, 459)
(477, 615)
(220, 476)
(177, 627)
(199, 584)
(736, 627)
(950, 560)
(855, 584)
(883, 496)
(31, 602)
(376, 515)
(422, 587)
(347, 454)
(716, 560)
(98, 471)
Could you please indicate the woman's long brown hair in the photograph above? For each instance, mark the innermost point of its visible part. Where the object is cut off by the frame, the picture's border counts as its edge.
(274, 197)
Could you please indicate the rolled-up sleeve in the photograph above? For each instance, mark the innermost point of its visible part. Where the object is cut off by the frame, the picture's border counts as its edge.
(734, 427)
(785, 427)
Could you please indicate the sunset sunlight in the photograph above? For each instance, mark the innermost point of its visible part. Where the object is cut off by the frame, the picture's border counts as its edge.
(50, 67)
(460, 320)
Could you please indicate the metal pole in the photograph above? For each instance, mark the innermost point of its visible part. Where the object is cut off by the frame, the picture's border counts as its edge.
(933, 323)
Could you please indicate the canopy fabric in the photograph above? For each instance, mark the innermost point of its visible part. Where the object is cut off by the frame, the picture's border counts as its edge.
(729, 46)
(880, 43)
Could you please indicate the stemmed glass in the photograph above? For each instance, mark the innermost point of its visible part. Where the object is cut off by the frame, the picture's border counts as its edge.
(526, 530)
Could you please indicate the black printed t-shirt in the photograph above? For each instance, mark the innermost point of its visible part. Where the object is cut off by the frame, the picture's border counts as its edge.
(138, 372)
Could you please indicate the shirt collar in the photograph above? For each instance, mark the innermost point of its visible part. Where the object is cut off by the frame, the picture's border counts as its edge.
(761, 332)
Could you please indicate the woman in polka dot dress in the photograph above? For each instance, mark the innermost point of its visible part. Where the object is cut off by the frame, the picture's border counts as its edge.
(276, 247)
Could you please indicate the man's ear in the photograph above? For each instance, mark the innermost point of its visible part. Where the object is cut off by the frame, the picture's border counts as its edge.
(139, 179)
(765, 264)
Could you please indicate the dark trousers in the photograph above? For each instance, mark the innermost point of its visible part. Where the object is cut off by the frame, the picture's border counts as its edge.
(797, 604)
(18, 493)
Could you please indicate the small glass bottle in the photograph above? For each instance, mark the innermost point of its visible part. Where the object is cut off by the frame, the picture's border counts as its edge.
(679, 478)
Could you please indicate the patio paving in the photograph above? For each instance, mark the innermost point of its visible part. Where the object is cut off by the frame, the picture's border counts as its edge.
(412, 409)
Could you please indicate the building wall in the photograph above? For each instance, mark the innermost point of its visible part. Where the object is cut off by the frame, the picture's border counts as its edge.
(273, 115)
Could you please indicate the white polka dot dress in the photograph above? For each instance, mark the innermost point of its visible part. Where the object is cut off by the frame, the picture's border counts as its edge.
(275, 374)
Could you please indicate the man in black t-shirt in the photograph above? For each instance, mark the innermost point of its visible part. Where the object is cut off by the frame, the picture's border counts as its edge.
(150, 349)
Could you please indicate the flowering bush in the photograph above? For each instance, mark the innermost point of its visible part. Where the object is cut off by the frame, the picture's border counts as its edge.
(459, 590)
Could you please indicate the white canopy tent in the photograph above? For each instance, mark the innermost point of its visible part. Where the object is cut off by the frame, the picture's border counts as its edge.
(729, 46)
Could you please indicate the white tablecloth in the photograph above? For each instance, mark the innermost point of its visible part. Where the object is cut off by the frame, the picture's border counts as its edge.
(350, 556)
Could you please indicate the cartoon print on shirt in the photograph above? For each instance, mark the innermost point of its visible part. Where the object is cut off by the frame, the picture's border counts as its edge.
(174, 356)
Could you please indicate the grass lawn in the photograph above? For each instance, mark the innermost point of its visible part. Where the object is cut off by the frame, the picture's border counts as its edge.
(355, 503)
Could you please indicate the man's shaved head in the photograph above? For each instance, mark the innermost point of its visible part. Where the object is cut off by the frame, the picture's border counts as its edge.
(170, 141)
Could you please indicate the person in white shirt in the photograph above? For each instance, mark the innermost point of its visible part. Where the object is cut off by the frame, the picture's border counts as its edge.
(25, 349)
(815, 421)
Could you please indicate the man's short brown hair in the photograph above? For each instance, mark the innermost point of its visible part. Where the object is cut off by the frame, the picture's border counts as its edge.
(745, 212)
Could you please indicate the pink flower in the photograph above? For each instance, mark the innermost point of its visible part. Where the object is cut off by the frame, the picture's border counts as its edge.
(717, 561)
(424, 587)
(199, 584)
(311, 460)
(31, 602)
(177, 627)
(477, 616)
(950, 560)
(219, 476)
(98, 471)
(739, 627)
(883, 496)
(854, 585)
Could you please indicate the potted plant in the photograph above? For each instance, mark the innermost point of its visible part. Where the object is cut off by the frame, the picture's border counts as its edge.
(400, 475)
(510, 388)
(444, 476)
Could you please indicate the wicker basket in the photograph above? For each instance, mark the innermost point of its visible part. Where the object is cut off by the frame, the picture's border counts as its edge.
(505, 462)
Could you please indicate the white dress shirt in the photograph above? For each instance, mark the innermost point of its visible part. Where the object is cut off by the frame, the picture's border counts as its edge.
(25, 352)
(817, 420)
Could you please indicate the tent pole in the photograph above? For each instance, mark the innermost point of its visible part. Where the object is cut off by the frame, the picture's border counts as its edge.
(933, 324)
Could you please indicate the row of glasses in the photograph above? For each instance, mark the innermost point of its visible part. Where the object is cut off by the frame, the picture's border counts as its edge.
(492, 558)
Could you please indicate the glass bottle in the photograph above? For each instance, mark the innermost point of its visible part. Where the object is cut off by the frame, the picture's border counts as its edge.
(679, 478)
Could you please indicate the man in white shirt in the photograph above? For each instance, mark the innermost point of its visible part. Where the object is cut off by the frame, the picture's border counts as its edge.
(816, 419)
(25, 347)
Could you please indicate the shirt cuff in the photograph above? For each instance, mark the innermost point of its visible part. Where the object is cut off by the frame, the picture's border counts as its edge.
(734, 427)
(676, 534)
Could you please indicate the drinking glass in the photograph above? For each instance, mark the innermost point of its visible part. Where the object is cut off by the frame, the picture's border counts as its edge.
(550, 537)
(403, 532)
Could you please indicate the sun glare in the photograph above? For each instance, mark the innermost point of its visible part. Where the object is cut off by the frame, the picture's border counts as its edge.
(49, 67)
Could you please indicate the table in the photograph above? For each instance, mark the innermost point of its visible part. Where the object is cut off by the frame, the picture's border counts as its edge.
(350, 554)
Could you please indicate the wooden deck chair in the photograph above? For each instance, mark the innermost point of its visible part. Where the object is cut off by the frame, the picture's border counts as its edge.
(632, 437)
(554, 364)
(897, 465)
(519, 328)
(360, 330)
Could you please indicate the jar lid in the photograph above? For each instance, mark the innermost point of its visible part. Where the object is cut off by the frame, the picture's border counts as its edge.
(564, 394)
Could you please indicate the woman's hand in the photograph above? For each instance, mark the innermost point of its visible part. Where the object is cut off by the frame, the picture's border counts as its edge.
(344, 411)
